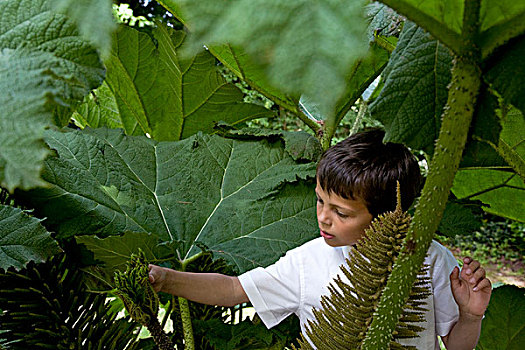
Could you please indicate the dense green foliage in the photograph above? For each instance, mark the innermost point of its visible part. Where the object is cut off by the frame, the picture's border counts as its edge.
(164, 185)
(507, 308)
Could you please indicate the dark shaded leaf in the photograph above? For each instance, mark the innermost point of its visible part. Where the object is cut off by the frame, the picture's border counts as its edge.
(23, 239)
(458, 220)
(503, 325)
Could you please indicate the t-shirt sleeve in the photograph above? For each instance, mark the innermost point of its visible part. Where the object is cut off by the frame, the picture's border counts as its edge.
(275, 291)
(445, 307)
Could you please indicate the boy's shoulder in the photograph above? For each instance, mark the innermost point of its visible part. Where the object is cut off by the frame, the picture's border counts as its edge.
(439, 255)
(317, 248)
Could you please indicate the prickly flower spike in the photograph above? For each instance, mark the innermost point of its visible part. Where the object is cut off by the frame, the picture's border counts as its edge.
(347, 313)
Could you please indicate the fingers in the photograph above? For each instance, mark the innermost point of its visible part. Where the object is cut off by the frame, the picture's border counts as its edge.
(469, 267)
(483, 285)
(454, 278)
(474, 274)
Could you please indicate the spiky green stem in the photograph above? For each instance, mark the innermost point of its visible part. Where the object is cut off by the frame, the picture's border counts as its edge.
(187, 328)
(456, 120)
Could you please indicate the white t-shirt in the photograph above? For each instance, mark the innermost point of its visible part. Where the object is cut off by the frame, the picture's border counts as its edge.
(295, 283)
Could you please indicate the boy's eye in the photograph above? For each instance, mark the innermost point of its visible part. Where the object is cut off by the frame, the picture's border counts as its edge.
(341, 215)
(319, 200)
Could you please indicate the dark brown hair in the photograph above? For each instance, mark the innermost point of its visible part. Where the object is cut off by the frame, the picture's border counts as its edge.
(363, 167)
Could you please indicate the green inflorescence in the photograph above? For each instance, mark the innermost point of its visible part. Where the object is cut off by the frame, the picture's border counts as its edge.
(137, 294)
(140, 299)
(347, 313)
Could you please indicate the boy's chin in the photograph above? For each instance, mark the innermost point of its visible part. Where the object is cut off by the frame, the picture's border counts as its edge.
(333, 243)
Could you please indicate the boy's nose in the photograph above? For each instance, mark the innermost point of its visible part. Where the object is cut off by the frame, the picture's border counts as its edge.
(323, 217)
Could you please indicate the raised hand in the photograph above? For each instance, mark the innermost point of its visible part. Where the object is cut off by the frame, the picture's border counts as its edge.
(470, 288)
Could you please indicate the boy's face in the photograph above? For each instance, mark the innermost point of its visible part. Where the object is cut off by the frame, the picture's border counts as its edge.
(341, 221)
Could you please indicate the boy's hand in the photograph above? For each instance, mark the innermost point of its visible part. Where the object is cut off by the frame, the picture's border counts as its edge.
(157, 277)
(472, 290)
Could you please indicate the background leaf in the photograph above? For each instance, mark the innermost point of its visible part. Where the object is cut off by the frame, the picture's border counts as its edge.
(24, 117)
(485, 131)
(503, 324)
(411, 102)
(23, 239)
(501, 20)
(152, 90)
(323, 38)
(44, 65)
(33, 25)
(235, 197)
(443, 19)
(100, 109)
(112, 253)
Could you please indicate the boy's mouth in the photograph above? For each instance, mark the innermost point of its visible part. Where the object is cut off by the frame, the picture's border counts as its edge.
(326, 235)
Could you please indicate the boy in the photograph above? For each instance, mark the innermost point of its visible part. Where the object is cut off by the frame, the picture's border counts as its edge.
(356, 181)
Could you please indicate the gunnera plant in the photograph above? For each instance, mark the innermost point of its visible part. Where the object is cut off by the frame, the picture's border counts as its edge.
(347, 312)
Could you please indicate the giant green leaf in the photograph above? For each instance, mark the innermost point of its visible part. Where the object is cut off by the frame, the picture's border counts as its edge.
(235, 197)
(152, 90)
(500, 188)
(308, 47)
(502, 191)
(503, 325)
(23, 239)
(500, 20)
(415, 92)
(44, 65)
(94, 19)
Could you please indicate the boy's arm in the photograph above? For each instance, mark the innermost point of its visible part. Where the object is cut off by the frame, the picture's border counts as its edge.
(472, 294)
(205, 288)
